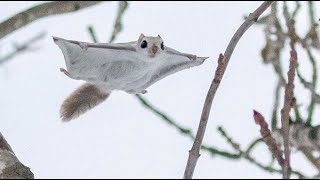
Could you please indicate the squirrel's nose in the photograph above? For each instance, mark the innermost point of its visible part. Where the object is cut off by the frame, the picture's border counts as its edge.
(154, 49)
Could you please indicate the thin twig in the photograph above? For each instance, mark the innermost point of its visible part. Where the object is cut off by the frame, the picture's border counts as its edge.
(246, 155)
(92, 34)
(308, 153)
(267, 137)
(288, 104)
(185, 131)
(253, 144)
(297, 112)
(43, 10)
(274, 120)
(311, 12)
(22, 47)
(288, 95)
(165, 117)
(308, 85)
(295, 12)
(222, 65)
(313, 86)
(117, 28)
(194, 152)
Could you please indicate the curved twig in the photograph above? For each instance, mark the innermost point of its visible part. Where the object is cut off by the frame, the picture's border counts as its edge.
(288, 104)
(22, 48)
(267, 137)
(43, 10)
(223, 63)
(246, 155)
(117, 28)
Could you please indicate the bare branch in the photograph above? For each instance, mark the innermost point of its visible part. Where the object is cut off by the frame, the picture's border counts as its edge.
(43, 10)
(295, 12)
(288, 104)
(274, 120)
(271, 53)
(10, 166)
(301, 136)
(123, 5)
(313, 86)
(194, 152)
(92, 34)
(308, 153)
(253, 144)
(222, 65)
(267, 137)
(311, 12)
(246, 155)
(185, 131)
(304, 138)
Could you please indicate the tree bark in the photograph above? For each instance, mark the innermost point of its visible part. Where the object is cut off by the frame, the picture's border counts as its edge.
(43, 10)
(10, 166)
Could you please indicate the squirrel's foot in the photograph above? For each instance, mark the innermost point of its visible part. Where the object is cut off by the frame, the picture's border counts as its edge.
(83, 46)
(192, 57)
(144, 91)
(137, 92)
(65, 72)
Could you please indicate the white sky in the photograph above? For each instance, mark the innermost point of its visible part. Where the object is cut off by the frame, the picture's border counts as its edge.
(121, 139)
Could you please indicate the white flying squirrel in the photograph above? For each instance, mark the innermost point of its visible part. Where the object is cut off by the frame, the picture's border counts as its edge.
(130, 67)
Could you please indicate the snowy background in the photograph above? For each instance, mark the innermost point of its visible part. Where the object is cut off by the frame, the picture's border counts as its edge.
(120, 138)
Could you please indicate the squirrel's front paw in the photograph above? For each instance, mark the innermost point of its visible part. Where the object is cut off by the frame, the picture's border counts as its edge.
(144, 91)
(83, 46)
(65, 72)
(192, 57)
(202, 58)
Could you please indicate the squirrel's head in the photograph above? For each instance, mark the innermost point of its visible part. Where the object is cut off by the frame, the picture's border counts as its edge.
(149, 45)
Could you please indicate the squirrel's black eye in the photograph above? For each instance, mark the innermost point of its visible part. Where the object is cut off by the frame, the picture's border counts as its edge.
(144, 44)
(162, 46)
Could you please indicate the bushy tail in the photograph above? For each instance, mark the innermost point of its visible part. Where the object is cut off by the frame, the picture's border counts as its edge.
(81, 100)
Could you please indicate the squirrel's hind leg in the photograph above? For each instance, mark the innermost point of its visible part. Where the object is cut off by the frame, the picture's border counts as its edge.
(67, 73)
(135, 92)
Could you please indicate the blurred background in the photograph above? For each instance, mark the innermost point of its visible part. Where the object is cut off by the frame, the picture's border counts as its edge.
(121, 138)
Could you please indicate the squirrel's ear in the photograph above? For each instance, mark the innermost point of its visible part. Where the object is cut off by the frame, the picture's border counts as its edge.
(141, 37)
(159, 36)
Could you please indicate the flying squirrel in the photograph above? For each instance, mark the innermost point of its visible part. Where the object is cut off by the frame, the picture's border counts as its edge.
(131, 67)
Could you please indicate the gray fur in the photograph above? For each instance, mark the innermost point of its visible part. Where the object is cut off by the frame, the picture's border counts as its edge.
(122, 66)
